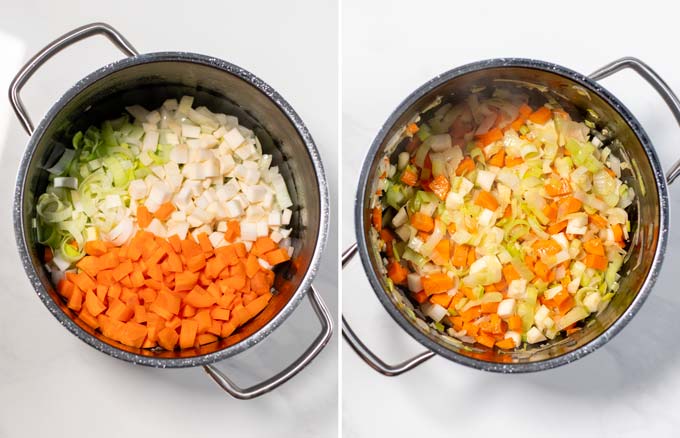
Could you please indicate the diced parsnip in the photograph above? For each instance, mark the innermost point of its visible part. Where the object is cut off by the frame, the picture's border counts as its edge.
(535, 336)
(506, 308)
(485, 179)
(414, 282)
(517, 288)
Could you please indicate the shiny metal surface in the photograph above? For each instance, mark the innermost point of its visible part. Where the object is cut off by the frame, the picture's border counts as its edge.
(582, 98)
(282, 377)
(222, 87)
(656, 82)
(363, 351)
(52, 49)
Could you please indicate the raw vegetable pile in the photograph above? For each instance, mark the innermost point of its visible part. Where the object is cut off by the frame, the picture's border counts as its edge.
(506, 223)
(164, 230)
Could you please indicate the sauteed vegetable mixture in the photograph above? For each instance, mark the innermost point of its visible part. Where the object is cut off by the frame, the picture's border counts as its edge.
(163, 230)
(506, 223)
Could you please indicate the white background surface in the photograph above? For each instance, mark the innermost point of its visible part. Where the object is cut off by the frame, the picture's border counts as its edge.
(51, 383)
(630, 387)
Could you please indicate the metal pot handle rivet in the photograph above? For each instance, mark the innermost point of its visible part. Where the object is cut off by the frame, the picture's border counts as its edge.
(279, 379)
(656, 82)
(364, 352)
(52, 49)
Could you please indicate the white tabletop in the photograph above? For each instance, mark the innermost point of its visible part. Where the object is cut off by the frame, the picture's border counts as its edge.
(628, 388)
(51, 383)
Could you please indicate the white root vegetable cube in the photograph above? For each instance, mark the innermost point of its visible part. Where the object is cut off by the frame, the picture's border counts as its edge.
(160, 193)
(150, 141)
(137, 189)
(454, 201)
(485, 179)
(234, 138)
(180, 154)
(535, 336)
(216, 238)
(191, 131)
(210, 168)
(274, 218)
(506, 308)
(234, 209)
(254, 193)
(193, 171)
(249, 231)
(262, 229)
(286, 216)
(517, 288)
(276, 236)
(414, 282)
(228, 191)
(246, 151)
(226, 164)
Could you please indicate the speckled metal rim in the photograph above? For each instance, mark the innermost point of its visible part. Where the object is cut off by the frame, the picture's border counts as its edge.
(228, 68)
(642, 294)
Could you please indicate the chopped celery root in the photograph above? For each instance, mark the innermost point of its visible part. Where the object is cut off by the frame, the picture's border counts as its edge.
(507, 224)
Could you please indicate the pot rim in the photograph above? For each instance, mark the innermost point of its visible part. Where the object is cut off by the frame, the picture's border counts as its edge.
(620, 322)
(324, 208)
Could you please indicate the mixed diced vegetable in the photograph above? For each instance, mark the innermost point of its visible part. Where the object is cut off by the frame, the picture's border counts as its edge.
(163, 231)
(507, 224)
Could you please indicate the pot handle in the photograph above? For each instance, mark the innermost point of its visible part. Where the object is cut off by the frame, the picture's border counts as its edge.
(364, 352)
(282, 377)
(656, 82)
(52, 49)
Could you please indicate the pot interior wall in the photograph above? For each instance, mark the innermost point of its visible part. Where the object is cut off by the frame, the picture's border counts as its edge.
(149, 84)
(581, 103)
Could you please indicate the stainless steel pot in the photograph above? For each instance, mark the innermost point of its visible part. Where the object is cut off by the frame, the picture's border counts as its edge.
(149, 79)
(584, 98)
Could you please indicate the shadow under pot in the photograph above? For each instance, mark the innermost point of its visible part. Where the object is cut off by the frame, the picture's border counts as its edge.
(150, 79)
(584, 99)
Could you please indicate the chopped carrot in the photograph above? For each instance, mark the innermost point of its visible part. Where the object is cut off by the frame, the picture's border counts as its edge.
(546, 247)
(557, 227)
(465, 166)
(618, 233)
(422, 222)
(594, 261)
(515, 323)
(420, 297)
(164, 211)
(436, 283)
(144, 217)
(541, 270)
(594, 246)
(498, 159)
(376, 218)
(490, 307)
(599, 221)
(568, 205)
(95, 248)
(541, 115)
(506, 344)
(491, 136)
(486, 340)
(440, 186)
(233, 231)
(486, 200)
(409, 177)
(397, 272)
(510, 273)
(441, 253)
(557, 187)
(460, 254)
(525, 110)
(412, 128)
(443, 299)
(277, 256)
(515, 161)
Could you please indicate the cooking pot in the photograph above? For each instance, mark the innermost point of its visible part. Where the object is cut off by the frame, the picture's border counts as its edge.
(584, 99)
(149, 79)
